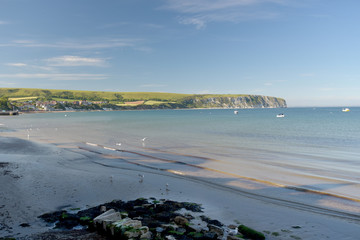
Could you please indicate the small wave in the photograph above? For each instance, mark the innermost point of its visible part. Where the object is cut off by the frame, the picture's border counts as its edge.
(92, 144)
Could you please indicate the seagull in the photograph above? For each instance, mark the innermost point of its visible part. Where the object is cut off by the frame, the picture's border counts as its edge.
(167, 187)
(141, 178)
(118, 144)
(28, 133)
(144, 139)
(233, 231)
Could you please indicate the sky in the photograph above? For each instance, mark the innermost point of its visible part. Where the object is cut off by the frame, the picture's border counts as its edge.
(305, 51)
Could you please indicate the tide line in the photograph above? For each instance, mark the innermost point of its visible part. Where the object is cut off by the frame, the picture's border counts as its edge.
(265, 182)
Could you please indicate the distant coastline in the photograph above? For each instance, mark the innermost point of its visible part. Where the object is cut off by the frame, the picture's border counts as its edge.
(33, 100)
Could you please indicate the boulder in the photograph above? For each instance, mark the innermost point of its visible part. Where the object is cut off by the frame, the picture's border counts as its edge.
(251, 233)
(132, 234)
(128, 227)
(215, 229)
(107, 218)
(170, 237)
(210, 236)
(181, 221)
(159, 229)
(147, 235)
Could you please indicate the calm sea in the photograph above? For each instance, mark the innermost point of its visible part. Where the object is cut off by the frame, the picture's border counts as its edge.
(313, 143)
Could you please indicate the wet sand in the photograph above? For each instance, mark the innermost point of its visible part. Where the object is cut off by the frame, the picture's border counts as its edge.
(38, 178)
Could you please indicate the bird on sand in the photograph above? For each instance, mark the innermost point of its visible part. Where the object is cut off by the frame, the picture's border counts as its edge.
(141, 178)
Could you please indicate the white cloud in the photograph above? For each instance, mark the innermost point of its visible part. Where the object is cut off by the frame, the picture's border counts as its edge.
(71, 61)
(55, 76)
(3, 22)
(16, 64)
(23, 41)
(201, 12)
(191, 6)
(198, 22)
(94, 44)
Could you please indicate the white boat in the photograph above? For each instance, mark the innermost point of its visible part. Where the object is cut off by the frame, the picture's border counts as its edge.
(346, 110)
(236, 112)
(280, 115)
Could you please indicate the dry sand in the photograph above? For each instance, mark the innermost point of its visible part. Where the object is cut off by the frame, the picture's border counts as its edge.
(38, 178)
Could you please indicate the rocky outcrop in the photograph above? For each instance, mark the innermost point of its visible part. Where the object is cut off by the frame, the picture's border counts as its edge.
(144, 219)
(246, 101)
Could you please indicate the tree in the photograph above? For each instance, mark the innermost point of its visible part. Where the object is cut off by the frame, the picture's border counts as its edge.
(5, 104)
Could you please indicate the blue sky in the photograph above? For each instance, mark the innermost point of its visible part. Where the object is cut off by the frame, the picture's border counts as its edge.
(306, 51)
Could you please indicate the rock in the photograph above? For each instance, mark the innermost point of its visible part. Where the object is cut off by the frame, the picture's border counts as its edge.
(65, 235)
(128, 228)
(251, 233)
(170, 237)
(103, 215)
(107, 218)
(181, 221)
(159, 229)
(124, 214)
(210, 236)
(181, 230)
(197, 225)
(164, 216)
(68, 223)
(142, 232)
(215, 229)
(133, 220)
(24, 225)
(52, 217)
(147, 235)
(128, 222)
(169, 227)
(229, 237)
(132, 234)
(211, 221)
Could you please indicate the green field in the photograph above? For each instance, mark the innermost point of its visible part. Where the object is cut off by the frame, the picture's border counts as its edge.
(65, 95)
(23, 99)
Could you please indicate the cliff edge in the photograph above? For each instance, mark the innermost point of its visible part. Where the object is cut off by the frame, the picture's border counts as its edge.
(246, 101)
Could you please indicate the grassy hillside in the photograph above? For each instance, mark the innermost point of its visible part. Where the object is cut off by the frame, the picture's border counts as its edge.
(143, 99)
(24, 93)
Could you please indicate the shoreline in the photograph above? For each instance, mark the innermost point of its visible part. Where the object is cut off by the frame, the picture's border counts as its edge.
(42, 178)
(116, 110)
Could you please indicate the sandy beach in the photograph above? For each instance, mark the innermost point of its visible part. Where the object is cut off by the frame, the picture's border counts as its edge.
(37, 178)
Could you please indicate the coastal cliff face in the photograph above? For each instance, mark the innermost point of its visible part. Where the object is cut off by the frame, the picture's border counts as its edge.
(248, 101)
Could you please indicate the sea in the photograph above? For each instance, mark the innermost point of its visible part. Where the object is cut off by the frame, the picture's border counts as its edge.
(315, 149)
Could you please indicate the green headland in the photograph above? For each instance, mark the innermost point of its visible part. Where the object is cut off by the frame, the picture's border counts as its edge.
(28, 99)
